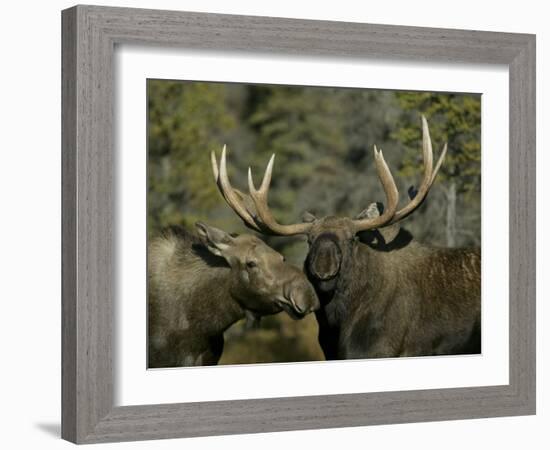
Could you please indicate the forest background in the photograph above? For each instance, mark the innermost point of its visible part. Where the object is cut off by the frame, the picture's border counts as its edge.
(323, 139)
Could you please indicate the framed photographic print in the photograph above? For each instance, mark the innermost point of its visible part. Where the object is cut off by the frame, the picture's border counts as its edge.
(254, 208)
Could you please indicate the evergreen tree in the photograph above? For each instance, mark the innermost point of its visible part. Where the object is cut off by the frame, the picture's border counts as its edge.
(186, 121)
(455, 119)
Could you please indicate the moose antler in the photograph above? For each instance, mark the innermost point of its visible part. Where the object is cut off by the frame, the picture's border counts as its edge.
(429, 174)
(258, 217)
(392, 196)
(259, 197)
(234, 198)
(262, 219)
(390, 216)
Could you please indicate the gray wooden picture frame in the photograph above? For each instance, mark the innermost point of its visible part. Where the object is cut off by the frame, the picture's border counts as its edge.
(90, 34)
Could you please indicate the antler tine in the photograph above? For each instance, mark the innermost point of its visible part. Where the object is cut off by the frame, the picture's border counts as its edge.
(214, 163)
(392, 196)
(259, 197)
(439, 163)
(429, 174)
(228, 193)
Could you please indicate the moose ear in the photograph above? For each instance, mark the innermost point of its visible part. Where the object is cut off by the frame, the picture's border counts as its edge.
(307, 217)
(388, 233)
(216, 240)
(373, 210)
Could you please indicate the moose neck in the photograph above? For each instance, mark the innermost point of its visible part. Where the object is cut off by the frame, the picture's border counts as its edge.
(369, 267)
(356, 275)
(360, 274)
(228, 309)
(361, 277)
(216, 309)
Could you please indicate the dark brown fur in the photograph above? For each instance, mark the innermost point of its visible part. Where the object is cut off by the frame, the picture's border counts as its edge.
(393, 299)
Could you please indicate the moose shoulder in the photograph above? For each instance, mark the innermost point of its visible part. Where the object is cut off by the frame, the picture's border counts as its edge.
(199, 285)
(385, 294)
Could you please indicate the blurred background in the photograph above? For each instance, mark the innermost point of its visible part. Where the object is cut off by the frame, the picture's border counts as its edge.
(323, 138)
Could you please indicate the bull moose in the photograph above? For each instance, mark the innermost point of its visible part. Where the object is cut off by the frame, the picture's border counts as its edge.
(382, 293)
(201, 284)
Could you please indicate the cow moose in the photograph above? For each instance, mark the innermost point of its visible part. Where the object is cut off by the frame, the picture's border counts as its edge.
(382, 293)
(199, 285)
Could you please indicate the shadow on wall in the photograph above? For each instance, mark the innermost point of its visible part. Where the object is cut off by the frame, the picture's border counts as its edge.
(53, 429)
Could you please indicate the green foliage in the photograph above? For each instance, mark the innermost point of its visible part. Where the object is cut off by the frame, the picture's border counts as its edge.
(301, 126)
(323, 139)
(453, 118)
(446, 219)
(186, 121)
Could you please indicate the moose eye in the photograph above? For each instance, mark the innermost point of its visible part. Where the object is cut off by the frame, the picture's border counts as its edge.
(251, 264)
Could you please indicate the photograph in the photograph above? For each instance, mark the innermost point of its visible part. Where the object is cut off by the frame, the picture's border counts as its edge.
(309, 223)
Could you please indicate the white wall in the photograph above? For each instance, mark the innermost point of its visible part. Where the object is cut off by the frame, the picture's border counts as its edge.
(30, 231)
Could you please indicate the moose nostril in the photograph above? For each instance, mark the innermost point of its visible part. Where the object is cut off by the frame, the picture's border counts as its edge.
(303, 300)
(301, 309)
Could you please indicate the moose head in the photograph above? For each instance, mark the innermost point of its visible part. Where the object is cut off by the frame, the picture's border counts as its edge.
(331, 239)
(263, 282)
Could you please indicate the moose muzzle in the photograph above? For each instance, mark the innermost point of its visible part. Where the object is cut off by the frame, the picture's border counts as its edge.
(299, 298)
(324, 258)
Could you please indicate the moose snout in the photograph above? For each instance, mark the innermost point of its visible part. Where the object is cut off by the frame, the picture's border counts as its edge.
(324, 258)
(302, 297)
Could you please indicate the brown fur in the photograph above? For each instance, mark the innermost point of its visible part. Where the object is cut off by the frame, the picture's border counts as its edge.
(398, 299)
(194, 295)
